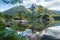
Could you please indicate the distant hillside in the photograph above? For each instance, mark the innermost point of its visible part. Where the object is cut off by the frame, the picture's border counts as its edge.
(15, 10)
(28, 11)
(58, 12)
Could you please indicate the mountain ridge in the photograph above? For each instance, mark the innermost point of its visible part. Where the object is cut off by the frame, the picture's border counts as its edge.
(27, 11)
(58, 12)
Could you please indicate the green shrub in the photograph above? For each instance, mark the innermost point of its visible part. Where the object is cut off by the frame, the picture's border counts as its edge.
(2, 26)
(18, 28)
(12, 37)
(15, 27)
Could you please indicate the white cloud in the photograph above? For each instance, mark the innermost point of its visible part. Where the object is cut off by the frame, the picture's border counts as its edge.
(52, 5)
(28, 3)
(55, 8)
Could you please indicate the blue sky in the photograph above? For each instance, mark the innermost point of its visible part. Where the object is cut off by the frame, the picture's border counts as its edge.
(50, 4)
(48, 0)
(4, 6)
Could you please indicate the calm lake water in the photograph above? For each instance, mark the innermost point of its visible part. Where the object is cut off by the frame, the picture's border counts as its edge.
(53, 31)
(57, 24)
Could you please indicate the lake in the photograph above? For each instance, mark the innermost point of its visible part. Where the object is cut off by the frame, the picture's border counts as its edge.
(53, 31)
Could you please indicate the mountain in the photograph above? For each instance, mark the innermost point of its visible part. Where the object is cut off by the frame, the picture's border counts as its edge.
(58, 12)
(41, 10)
(32, 14)
(35, 11)
(15, 10)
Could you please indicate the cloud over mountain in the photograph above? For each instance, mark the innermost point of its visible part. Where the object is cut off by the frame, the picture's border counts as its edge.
(50, 4)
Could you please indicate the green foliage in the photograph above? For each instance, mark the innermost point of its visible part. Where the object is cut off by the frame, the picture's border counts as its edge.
(8, 35)
(2, 26)
(15, 27)
(18, 27)
(40, 9)
(8, 17)
(1, 15)
(12, 37)
(21, 28)
(23, 38)
(1, 38)
(21, 15)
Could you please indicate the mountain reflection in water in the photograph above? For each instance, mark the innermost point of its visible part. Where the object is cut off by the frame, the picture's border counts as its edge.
(51, 33)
